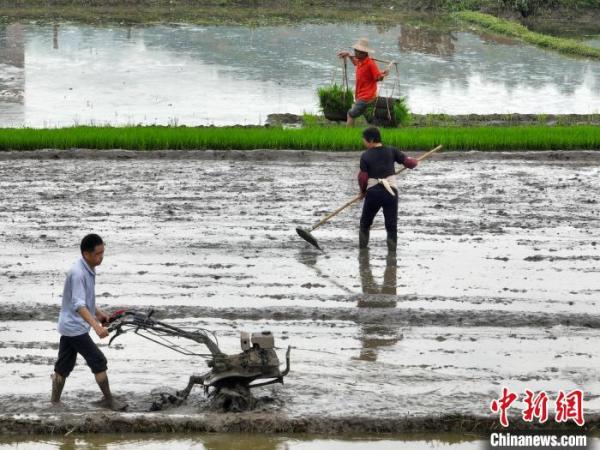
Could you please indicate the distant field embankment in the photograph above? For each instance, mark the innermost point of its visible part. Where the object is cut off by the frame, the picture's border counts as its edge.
(281, 11)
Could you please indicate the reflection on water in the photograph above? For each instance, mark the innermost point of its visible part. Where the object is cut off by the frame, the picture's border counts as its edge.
(368, 283)
(426, 40)
(12, 74)
(374, 336)
(55, 36)
(234, 441)
(193, 75)
(491, 38)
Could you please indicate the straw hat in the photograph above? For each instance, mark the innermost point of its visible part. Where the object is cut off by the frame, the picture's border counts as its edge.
(363, 45)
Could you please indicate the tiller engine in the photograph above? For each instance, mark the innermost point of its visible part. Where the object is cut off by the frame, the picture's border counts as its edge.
(230, 376)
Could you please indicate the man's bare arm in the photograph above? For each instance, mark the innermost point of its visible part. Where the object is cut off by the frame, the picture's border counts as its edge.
(354, 59)
(101, 315)
(87, 316)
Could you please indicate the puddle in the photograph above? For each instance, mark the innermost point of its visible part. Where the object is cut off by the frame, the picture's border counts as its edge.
(244, 441)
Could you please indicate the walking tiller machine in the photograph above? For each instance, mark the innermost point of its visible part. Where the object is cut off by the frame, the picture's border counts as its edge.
(230, 376)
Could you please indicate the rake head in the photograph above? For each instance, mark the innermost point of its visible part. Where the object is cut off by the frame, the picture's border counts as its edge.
(305, 234)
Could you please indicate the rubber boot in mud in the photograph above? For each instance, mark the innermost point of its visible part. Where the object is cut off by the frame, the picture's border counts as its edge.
(392, 243)
(363, 238)
(58, 383)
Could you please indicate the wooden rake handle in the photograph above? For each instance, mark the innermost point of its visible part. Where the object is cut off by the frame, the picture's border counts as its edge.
(422, 157)
(337, 211)
(361, 195)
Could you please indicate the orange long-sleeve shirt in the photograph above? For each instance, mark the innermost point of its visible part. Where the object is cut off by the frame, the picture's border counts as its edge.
(367, 75)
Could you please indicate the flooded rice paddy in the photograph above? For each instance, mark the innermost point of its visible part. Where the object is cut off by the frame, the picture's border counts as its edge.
(234, 441)
(495, 283)
(66, 73)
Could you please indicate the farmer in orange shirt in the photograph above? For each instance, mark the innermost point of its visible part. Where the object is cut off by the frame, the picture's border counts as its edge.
(367, 76)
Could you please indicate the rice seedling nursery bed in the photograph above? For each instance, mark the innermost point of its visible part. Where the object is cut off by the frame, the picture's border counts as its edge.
(338, 138)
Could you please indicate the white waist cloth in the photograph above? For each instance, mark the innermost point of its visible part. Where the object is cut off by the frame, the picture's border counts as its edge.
(388, 183)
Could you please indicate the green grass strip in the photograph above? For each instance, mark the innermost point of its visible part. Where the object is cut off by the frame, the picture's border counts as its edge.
(513, 29)
(317, 138)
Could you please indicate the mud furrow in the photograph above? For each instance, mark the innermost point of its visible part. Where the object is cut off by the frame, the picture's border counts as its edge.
(379, 312)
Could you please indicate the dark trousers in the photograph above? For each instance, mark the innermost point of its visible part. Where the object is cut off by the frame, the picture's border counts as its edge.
(68, 349)
(376, 198)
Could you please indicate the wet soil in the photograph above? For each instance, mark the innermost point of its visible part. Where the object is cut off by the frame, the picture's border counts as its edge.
(495, 283)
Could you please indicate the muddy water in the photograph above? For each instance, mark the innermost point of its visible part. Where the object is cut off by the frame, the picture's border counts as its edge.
(495, 283)
(66, 74)
(242, 441)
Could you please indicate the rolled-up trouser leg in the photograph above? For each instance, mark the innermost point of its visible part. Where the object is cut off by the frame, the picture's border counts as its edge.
(67, 357)
(93, 356)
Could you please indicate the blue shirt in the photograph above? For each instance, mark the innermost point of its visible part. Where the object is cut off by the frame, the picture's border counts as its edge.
(79, 291)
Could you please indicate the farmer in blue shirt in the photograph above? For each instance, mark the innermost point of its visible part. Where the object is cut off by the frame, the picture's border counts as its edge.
(78, 314)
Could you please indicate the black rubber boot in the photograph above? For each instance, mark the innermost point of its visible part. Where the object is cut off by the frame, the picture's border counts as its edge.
(392, 243)
(58, 383)
(363, 238)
